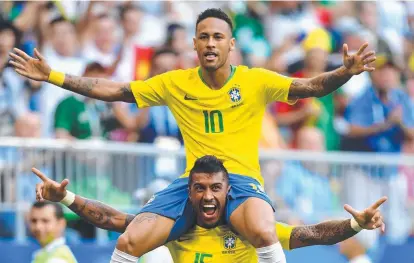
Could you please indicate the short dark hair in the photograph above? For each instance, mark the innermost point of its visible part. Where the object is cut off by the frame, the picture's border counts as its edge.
(163, 51)
(216, 13)
(126, 9)
(58, 208)
(57, 20)
(6, 25)
(170, 32)
(208, 164)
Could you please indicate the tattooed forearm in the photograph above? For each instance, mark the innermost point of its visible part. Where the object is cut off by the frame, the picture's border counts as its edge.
(98, 88)
(319, 86)
(327, 233)
(100, 215)
(127, 94)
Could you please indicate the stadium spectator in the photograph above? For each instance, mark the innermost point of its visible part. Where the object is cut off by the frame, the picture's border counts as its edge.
(78, 117)
(177, 40)
(161, 122)
(47, 225)
(382, 117)
(102, 47)
(62, 48)
(12, 104)
(355, 248)
(308, 112)
(305, 186)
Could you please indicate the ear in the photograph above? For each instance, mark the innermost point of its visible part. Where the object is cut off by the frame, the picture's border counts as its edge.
(232, 44)
(194, 44)
(189, 193)
(228, 189)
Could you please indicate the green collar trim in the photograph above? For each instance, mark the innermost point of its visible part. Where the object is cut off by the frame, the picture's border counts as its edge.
(233, 70)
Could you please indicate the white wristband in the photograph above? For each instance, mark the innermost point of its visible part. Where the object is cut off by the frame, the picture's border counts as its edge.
(68, 199)
(355, 226)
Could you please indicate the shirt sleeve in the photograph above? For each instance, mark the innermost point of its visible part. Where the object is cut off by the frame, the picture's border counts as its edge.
(354, 114)
(15, 85)
(63, 116)
(275, 87)
(283, 233)
(151, 92)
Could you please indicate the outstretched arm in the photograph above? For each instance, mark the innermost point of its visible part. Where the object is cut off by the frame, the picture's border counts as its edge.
(334, 231)
(97, 88)
(327, 233)
(94, 212)
(101, 215)
(328, 82)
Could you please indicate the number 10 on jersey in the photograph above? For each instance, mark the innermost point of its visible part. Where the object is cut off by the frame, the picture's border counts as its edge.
(213, 121)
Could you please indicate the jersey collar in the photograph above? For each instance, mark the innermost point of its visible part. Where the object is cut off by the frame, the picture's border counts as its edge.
(54, 244)
(233, 70)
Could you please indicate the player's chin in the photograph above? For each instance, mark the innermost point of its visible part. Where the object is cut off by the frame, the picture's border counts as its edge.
(210, 66)
(209, 220)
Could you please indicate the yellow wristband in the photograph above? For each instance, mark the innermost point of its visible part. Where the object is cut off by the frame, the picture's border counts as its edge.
(56, 78)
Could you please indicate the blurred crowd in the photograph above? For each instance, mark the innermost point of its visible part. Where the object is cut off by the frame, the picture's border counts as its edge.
(127, 41)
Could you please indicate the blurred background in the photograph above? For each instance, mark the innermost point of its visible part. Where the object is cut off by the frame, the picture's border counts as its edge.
(352, 146)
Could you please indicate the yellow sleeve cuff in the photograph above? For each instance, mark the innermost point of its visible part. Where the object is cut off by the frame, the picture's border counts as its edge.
(56, 78)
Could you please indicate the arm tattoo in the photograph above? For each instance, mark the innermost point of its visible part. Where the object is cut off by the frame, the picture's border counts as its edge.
(100, 215)
(100, 89)
(319, 86)
(127, 93)
(327, 233)
(145, 217)
(80, 85)
(128, 220)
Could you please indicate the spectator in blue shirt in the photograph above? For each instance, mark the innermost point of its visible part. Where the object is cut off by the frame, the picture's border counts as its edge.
(382, 118)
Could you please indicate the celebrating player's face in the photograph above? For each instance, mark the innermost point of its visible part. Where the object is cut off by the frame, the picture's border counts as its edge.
(208, 197)
(213, 42)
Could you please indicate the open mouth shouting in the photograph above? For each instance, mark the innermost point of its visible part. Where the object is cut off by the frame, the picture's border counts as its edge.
(210, 56)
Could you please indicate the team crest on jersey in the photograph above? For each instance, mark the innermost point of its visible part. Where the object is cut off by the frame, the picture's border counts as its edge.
(234, 94)
(230, 241)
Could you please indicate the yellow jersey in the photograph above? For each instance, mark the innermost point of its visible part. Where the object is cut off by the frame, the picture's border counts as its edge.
(226, 122)
(219, 244)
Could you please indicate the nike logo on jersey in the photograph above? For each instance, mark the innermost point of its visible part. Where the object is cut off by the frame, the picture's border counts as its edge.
(186, 97)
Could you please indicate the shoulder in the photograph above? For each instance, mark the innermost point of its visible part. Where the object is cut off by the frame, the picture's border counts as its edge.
(181, 73)
(362, 99)
(62, 254)
(71, 100)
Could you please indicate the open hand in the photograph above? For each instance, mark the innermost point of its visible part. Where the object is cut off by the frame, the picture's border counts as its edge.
(371, 217)
(358, 62)
(32, 68)
(48, 189)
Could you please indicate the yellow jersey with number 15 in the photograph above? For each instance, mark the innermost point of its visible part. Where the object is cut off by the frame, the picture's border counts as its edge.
(220, 244)
(226, 122)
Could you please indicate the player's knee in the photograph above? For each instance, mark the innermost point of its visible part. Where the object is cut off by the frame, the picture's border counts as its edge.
(263, 237)
(126, 243)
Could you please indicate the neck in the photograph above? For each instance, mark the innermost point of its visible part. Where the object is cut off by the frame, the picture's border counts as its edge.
(356, 252)
(383, 95)
(217, 78)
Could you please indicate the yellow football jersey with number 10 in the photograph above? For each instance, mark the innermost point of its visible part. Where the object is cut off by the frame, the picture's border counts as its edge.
(226, 122)
(219, 245)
